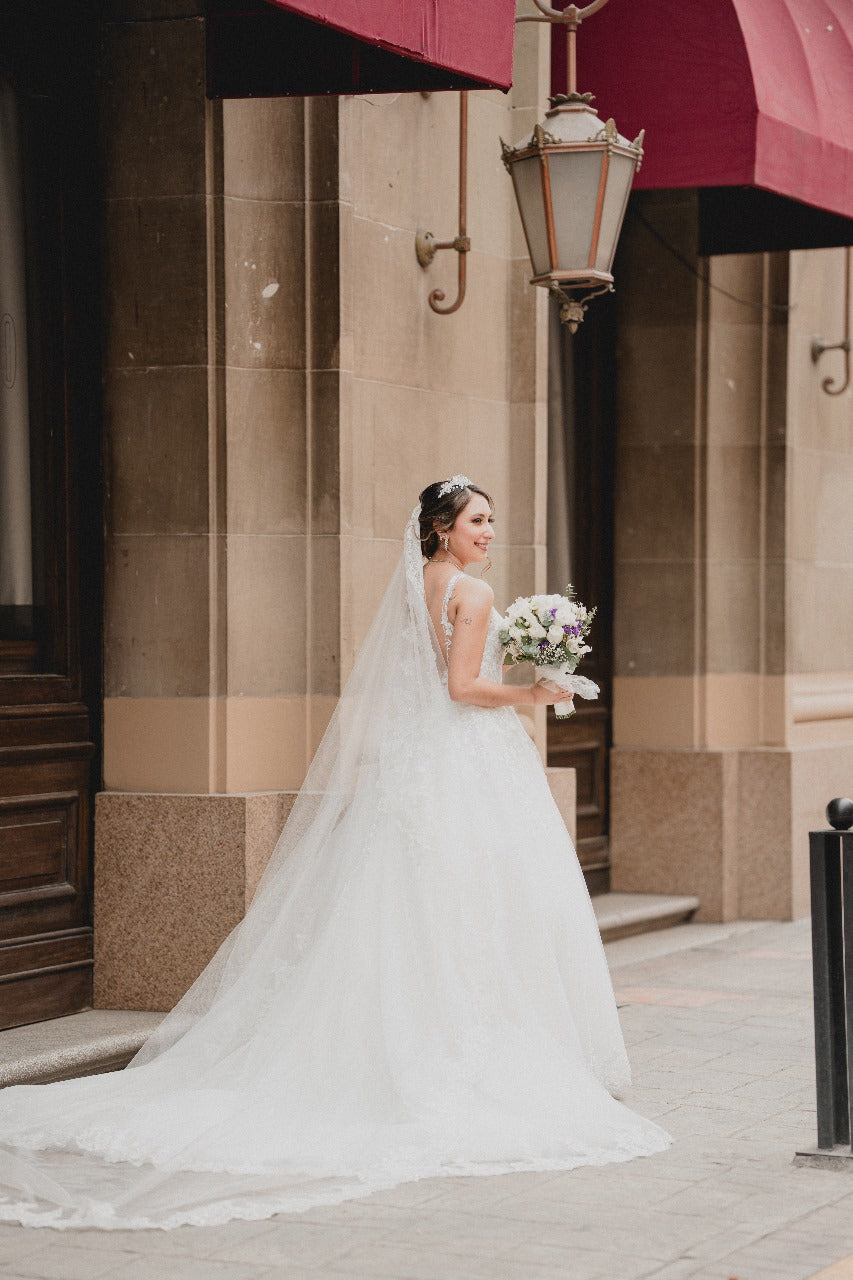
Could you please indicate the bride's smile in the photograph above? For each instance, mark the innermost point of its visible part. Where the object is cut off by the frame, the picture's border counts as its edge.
(473, 531)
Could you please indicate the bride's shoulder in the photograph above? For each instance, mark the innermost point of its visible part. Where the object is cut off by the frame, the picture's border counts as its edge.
(475, 592)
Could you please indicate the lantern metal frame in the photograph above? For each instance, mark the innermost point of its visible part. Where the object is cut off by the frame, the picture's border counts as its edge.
(575, 287)
(588, 280)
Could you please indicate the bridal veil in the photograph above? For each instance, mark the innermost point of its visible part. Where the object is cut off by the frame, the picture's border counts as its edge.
(417, 989)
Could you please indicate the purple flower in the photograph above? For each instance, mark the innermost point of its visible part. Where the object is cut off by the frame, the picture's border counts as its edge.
(553, 612)
(568, 630)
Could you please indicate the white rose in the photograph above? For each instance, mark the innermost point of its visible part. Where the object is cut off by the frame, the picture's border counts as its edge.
(515, 633)
(555, 633)
(537, 631)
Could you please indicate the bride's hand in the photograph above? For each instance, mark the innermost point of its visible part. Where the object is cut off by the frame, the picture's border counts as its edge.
(545, 693)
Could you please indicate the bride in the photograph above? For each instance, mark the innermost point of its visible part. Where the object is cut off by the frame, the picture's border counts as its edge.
(419, 988)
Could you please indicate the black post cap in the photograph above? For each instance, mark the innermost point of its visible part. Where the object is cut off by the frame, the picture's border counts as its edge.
(839, 812)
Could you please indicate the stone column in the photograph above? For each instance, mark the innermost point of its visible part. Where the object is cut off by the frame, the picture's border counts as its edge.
(428, 396)
(211, 646)
(819, 604)
(709, 588)
(278, 392)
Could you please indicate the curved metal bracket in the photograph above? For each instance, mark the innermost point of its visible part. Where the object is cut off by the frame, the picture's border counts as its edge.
(426, 245)
(571, 17)
(571, 13)
(819, 346)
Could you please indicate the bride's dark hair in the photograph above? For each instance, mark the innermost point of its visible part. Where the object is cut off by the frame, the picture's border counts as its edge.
(438, 514)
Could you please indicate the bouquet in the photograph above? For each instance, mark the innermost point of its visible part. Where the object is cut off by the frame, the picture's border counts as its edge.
(550, 631)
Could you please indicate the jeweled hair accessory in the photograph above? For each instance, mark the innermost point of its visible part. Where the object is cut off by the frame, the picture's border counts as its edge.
(455, 482)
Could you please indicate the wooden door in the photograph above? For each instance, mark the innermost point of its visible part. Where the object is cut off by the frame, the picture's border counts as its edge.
(583, 741)
(49, 510)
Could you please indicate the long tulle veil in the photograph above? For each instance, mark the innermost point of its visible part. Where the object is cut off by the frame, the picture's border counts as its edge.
(369, 750)
(417, 989)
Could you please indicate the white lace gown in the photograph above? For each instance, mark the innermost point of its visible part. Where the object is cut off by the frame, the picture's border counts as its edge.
(432, 1000)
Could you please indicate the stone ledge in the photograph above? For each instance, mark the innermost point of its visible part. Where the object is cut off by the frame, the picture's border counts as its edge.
(620, 915)
(82, 1044)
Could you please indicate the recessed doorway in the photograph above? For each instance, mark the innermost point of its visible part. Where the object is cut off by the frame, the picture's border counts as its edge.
(582, 446)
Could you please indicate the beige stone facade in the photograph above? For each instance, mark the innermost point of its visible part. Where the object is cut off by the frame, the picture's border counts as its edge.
(733, 714)
(277, 391)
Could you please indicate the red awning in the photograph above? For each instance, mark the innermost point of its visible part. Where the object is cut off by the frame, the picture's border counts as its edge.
(281, 47)
(472, 39)
(731, 92)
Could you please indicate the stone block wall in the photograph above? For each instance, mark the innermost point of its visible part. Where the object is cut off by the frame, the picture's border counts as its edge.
(733, 560)
(277, 393)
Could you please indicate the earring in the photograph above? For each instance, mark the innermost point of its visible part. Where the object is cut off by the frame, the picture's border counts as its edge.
(445, 541)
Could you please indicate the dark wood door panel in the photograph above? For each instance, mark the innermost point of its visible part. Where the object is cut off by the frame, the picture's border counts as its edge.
(39, 994)
(50, 619)
(46, 938)
(44, 862)
(36, 841)
(23, 956)
(581, 743)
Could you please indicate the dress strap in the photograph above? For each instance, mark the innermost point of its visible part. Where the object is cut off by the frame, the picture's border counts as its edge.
(446, 624)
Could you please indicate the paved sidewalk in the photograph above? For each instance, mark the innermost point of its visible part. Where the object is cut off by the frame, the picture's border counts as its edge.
(718, 1022)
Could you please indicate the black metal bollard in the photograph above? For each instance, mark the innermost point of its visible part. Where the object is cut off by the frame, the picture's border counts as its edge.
(831, 873)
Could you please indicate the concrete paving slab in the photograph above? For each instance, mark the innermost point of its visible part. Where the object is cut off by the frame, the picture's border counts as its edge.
(733, 1078)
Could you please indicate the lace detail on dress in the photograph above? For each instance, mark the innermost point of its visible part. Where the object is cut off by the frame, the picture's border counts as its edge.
(446, 624)
(492, 665)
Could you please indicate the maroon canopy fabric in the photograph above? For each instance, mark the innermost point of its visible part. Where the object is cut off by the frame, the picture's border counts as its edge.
(730, 92)
(465, 36)
(271, 48)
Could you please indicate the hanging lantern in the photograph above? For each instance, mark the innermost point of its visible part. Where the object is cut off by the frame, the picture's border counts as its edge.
(572, 178)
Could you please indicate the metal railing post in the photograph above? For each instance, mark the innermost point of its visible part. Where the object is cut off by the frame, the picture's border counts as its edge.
(847, 916)
(831, 878)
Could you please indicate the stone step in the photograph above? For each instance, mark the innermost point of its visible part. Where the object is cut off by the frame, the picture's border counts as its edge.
(83, 1044)
(620, 915)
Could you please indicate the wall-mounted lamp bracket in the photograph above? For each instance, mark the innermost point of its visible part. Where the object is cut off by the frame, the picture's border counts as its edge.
(819, 346)
(426, 245)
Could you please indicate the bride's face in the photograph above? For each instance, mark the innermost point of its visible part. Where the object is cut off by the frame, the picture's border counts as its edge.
(472, 531)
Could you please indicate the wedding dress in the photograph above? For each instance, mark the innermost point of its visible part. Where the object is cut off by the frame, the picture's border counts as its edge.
(418, 989)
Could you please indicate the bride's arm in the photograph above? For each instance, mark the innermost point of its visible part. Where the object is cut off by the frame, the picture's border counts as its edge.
(473, 600)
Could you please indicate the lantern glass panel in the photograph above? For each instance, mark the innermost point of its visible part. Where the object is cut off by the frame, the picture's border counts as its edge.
(575, 178)
(527, 177)
(619, 178)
